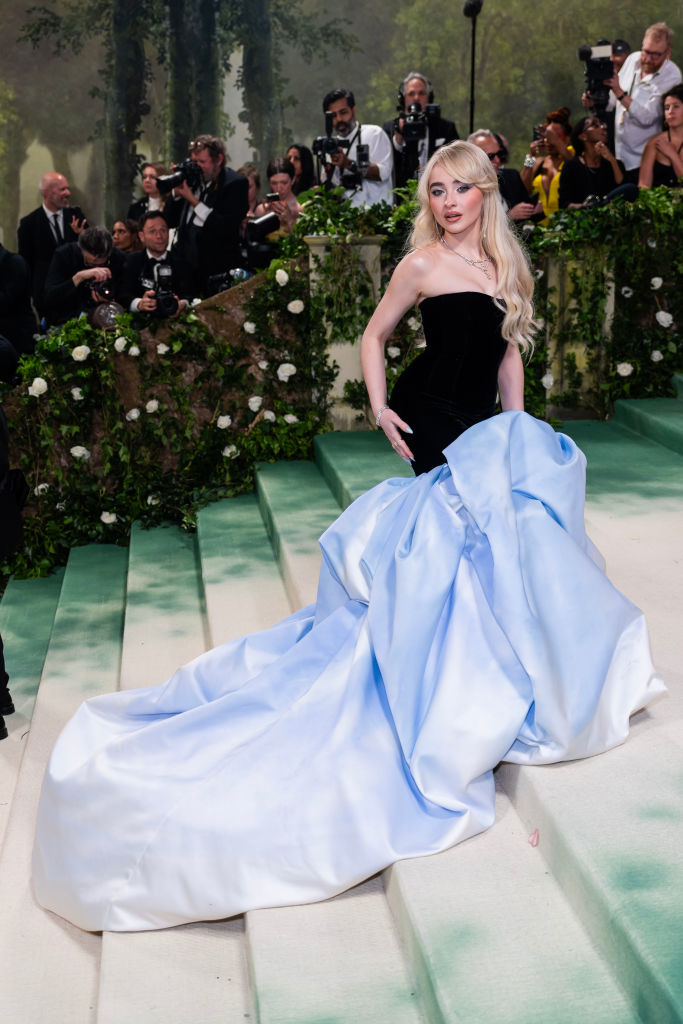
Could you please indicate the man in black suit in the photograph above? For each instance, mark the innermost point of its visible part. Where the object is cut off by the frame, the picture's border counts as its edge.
(155, 268)
(427, 131)
(517, 201)
(51, 225)
(17, 322)
(82, 275)
(210, 217)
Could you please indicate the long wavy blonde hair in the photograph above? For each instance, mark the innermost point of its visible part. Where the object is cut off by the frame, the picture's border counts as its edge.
(465, 162)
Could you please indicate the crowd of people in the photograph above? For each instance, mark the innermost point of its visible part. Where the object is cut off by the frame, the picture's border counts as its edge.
(192, 225)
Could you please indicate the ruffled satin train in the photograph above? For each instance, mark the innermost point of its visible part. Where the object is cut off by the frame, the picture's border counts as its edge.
(463, 618)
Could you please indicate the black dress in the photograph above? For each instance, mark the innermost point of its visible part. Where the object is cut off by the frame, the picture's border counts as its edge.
(454, 382)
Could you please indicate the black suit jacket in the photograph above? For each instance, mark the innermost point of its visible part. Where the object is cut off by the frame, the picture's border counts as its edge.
(37, 245)
(215, 246)
(62, 299)
(139, 266)
(17, 322)
(441, 132)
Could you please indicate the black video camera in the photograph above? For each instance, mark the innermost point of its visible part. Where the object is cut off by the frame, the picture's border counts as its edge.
(416, 121)
(353, 176)
(188, 171)
(162, 286)
(597, 67)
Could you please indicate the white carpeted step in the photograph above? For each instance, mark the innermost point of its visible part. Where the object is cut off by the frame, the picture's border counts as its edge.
(196, 972)
(26, 636)
(49, 968)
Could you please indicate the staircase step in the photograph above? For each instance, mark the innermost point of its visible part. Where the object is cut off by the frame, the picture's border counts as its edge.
(658, 418)
(488, 929)
(243, 587)
(25, 640)
(353, 463)
(192, 974)
(165, 615)
(297, 507)
(48, 967)
(339, 961)
(627, 470)
(611, 831)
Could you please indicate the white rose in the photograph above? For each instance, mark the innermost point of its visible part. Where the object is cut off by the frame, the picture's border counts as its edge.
(656, 283)
(38, 387)
(663, 318)
(547, 380)
(108, 517)
(223, 422)
(414, 323)
(652, 242)
(162, 348)
(295, 306)
(152, 500)
(282, 277)
(255, 403)
(230, 451)
(120, 344)
(40, 489)
(263, 364)
(538, 274)
(656, 356)
(196, 302)
(77, 394)
(627, 292)
(285, 371)
(393, 351)
(249, 327)
(540, 323)
(291, 418)
(133, 350)
(624, 369)
(80, 353)
(133, 414)
(60, 506)
(79, 452)
(269, 415)
(152, 405)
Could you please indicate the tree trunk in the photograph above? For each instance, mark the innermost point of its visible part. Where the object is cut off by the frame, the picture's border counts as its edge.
(260, 93)
(195, 79)
(124, 105)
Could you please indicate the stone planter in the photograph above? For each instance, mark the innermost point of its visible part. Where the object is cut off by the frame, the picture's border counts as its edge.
(347, 353)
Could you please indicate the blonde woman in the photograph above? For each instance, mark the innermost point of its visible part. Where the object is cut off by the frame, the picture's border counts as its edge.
(465, 267)
(461, 620)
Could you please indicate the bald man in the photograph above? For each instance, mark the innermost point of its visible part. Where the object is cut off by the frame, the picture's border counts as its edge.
(51, 225)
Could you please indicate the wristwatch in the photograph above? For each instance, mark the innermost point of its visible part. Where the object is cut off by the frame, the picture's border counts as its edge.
(529, 160)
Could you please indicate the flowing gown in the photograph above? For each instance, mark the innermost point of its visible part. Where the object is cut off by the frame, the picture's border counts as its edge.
(462, 618)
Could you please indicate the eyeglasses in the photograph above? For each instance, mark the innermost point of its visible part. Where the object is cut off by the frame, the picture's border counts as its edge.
(500, 153)
(654, 53)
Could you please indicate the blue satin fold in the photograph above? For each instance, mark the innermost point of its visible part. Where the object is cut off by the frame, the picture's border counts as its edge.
(462, 618)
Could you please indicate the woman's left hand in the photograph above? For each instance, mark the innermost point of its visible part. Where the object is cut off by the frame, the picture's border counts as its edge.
(391, 423)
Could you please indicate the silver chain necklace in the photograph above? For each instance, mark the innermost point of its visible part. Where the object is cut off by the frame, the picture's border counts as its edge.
(478, 264)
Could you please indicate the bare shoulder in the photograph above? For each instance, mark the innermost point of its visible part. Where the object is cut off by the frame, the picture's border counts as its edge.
(416, 267)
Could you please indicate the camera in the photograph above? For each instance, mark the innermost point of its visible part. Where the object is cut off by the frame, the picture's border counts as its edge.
(416, 121)
(103, 290)
(162, 286)
(328, 144)
(353, 176)
(188, 171)
(597, 67)
(221, 282)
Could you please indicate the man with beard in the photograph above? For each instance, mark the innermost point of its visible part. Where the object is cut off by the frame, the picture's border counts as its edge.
(638, 89)
(363, 184)
(209, 219)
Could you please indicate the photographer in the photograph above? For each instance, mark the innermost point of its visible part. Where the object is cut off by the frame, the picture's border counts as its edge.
(550, 149)
(215, 202)
(356, 156)
(418, 130)
(155, 280)
(82, 274)
(281, 199)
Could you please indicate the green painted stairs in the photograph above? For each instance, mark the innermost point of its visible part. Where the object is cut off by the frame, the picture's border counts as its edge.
(586, 926)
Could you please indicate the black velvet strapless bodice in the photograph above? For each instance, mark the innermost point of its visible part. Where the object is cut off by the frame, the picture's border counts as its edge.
(454, 382)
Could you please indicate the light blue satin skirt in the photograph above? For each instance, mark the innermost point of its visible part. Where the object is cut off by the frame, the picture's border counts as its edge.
(463, 618)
